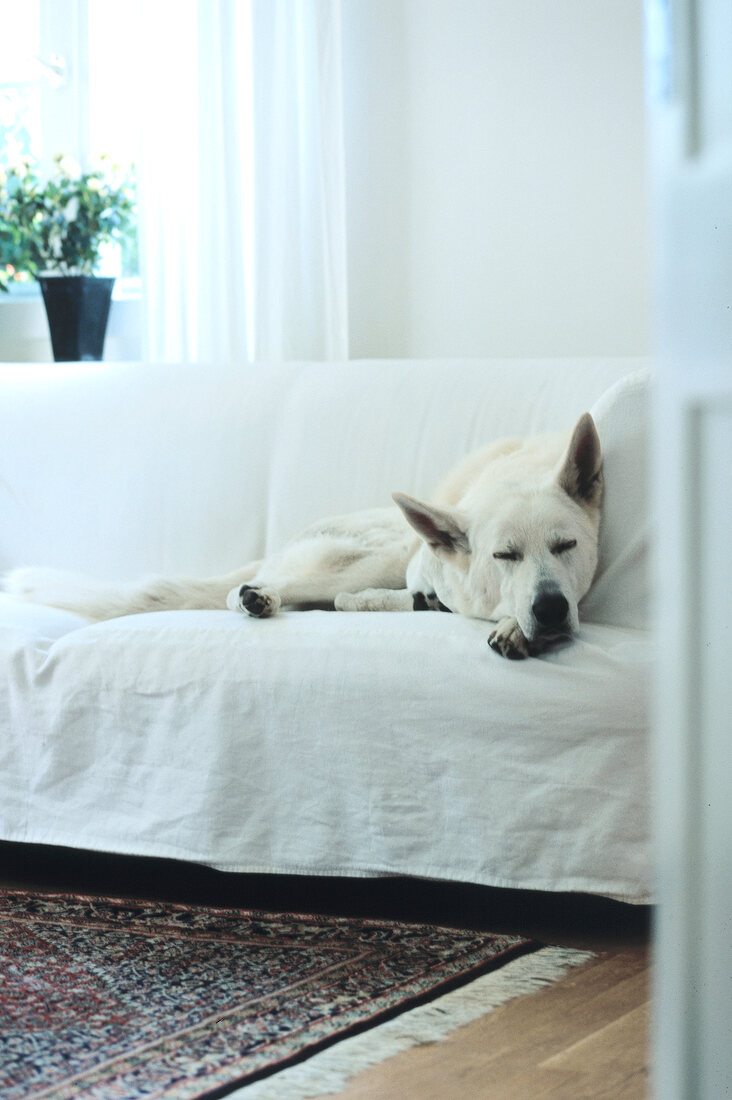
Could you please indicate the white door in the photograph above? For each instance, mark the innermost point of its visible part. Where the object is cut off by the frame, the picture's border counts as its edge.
(689, 48)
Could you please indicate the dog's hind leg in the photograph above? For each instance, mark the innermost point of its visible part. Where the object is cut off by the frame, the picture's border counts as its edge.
(263, 600)
(376, 599)
(264, 597)
(342, 555)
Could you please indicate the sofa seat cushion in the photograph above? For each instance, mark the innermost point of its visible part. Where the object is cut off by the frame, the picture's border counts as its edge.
(329, 743)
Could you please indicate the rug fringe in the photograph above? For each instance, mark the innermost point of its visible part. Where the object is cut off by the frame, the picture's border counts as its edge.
(330, 1071)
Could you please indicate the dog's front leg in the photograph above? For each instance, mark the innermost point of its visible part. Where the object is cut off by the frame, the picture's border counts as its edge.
(509, 640)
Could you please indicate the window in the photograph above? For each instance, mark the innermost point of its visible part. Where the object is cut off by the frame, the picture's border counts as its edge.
(64, 88)
(21, 73)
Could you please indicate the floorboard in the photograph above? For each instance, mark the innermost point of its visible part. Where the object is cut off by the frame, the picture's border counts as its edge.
(584, 1038)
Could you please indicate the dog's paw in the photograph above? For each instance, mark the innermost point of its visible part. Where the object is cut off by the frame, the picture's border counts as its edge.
(508, 639)
(259, 602)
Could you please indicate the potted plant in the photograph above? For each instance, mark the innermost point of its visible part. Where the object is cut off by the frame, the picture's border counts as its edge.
(54, 230)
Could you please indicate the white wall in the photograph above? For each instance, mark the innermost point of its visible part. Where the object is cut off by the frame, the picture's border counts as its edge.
(496, 177)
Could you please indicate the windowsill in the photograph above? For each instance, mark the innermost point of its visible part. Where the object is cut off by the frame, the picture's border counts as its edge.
(20, 292)
(24, 329)
(127, 289)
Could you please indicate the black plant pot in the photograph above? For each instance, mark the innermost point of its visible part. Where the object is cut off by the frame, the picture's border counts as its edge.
(77, 307)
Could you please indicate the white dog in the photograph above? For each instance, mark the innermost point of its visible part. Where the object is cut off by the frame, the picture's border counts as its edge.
(511, 538)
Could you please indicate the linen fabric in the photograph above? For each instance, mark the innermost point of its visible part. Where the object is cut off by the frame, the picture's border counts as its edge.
(620, 592)
(116, 470)
(318, 742)
(330, 743)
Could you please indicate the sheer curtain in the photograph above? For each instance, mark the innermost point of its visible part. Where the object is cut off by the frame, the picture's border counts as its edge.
(242, 181)
(300, 298)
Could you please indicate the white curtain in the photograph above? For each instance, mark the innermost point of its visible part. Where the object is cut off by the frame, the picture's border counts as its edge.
(300, 285)
(242, 181)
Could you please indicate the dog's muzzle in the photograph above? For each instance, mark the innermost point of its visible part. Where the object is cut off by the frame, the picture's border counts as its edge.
(550, 610)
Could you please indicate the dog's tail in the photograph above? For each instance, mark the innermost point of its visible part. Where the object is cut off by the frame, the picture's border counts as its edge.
(99, 600)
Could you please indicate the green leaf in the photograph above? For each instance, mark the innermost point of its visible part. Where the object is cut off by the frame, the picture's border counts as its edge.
(36, 232)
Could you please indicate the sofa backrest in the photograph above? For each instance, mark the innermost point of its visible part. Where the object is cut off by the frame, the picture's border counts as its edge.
(117, 470)
(122, 469)
(349, 434)
(620, 593)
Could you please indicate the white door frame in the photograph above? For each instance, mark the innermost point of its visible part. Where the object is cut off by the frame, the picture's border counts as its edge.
(689, 47)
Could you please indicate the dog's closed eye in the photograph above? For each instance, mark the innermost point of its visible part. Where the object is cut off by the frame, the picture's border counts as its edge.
(563, 546)
(508, 555)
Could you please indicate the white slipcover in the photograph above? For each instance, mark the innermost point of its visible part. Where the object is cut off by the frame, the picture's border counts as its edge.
(318, 742)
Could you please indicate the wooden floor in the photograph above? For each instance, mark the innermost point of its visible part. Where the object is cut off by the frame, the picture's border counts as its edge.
(583, 1038)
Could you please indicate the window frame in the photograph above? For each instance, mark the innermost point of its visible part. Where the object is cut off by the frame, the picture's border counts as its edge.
(64, 32)
(65, 128)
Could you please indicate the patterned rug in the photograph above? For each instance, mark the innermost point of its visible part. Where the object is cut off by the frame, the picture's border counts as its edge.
(103, 998)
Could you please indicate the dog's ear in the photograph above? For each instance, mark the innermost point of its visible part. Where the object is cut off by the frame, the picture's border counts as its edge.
(439, 528)
(580, 471)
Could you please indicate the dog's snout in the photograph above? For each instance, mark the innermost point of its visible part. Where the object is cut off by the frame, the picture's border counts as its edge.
(550, 610)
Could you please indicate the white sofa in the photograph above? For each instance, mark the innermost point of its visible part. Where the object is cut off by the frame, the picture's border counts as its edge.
(317, 743)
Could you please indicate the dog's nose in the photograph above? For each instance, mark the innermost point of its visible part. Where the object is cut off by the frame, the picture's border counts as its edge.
(550, 609)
